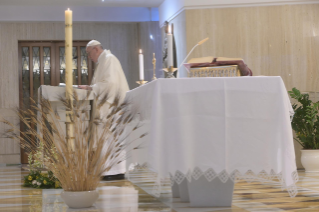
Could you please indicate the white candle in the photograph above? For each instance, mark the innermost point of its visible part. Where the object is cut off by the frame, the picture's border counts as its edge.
(170, 60)
(141, 62)
(69, 76)
(68, 53)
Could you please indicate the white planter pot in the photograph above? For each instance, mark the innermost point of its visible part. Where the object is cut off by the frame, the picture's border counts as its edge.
(310, 160)
(80, 199)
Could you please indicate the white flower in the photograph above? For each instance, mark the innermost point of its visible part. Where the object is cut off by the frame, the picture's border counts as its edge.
(34, 182)
(38, 183)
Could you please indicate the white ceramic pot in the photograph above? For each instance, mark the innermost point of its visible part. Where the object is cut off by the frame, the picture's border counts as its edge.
(80, 199)
(310, 160)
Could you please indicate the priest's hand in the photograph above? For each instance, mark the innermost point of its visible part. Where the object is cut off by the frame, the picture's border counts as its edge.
(85, 87)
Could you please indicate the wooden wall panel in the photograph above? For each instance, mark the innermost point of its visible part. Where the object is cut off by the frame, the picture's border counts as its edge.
(120, 38)
(273, 40)
(9, 149)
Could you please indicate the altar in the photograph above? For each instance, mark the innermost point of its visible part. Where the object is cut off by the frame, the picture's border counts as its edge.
(204, 133)
(54, 94)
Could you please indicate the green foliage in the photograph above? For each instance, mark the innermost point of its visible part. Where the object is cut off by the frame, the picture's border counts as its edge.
(306, 120)
(36, 178)
(36, 161)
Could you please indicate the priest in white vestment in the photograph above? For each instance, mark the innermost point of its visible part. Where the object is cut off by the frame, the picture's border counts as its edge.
(108, 78)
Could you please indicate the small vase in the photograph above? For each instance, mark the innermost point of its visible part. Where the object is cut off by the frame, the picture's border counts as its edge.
(310, 160)
(80, 199)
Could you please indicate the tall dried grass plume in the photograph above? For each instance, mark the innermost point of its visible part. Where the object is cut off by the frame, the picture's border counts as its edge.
(97, 145)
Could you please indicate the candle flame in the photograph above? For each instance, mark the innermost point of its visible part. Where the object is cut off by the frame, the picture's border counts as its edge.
(140, 51)
(68, 8)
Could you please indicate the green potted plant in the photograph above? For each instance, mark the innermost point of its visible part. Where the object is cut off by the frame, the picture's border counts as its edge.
(305, 123)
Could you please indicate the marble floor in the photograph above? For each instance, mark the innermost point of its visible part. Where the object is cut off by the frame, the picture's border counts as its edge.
(124, 196)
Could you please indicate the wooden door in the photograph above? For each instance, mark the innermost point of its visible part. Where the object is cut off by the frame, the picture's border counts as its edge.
(82, 66)
(43, 63)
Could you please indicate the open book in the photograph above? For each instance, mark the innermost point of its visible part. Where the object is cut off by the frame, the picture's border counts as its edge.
(210, 59)
(63, 85)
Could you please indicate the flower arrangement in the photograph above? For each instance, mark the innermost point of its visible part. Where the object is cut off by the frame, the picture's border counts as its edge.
(37, 178)
(77, 166)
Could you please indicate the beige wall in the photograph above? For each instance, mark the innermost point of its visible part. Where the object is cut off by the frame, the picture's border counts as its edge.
(273, 41)
(9, 150)
(120, 38)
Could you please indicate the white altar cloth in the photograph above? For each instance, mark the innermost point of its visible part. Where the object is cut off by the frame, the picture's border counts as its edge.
(216, 127)
(55, 93)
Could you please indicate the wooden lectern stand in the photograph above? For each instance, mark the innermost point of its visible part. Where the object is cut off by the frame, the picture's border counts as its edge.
(54, 93)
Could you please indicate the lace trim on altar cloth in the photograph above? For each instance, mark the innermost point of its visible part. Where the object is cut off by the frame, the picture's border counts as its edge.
(178, 177)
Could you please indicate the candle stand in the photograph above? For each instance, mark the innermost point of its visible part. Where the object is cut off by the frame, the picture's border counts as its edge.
(170, 71)
(154, 67)
(141, 82)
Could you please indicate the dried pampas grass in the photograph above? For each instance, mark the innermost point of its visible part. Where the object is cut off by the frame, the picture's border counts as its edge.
(80, 167)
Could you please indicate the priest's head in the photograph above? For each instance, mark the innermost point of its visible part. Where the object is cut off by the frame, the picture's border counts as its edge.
(93, 50)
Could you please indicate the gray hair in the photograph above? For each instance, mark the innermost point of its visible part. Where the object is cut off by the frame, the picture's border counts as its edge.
(99, 46)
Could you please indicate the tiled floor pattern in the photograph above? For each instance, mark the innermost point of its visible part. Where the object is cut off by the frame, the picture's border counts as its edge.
(123, 196)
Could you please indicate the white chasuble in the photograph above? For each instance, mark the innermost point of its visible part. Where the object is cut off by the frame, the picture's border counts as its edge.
(109, 79)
